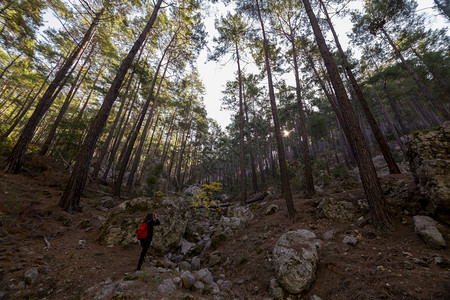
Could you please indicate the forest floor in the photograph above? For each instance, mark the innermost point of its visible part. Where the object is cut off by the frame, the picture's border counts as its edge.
(34, 232)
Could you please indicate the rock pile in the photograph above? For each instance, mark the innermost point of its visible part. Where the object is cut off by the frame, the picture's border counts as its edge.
(123, 220)
(342, 211)
(173, 284)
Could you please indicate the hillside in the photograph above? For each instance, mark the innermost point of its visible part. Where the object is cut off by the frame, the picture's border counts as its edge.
(67, 262)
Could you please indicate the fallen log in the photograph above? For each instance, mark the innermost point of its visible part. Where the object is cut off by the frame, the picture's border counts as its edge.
(251, 199)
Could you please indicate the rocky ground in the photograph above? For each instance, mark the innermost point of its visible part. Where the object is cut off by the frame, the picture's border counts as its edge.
(46, 253)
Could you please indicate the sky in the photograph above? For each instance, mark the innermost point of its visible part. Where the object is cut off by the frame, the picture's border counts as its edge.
(215, 75)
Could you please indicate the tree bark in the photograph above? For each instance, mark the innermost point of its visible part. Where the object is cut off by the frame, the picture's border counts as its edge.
(121, 131)
(65, 106)
(391, 123)
(286, 187)
(381, 218)
(186, 135)
(168, 138)
(260, 158)
(422, 86)
(384, 148)
(8, 100)
(19, 116)
(126, 157)
(106, 144)
(250, 149)
(310, 190)
(86, 102)
(404, 129)
(137, 158)
(10, 65)
(13, 115)
(70, 200)
(241, 132)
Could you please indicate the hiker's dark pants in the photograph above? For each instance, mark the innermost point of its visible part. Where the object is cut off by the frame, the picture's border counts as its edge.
(145, 245)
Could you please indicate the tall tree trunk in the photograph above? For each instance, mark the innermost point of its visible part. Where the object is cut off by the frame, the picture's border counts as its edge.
(13, 115)
(150, 143)
(126, 157)
(422, 111)
(121, 131)
(107, 143)
(281, 155)
(73, 89)
(362, 123)
(260, 157)
(15, 104)
(333, 144)
(304, 135)
(422, 86)
(137, 158)
(393, 104)
(384, 148)
(10, 65)
(391, 123)
(381, 218)
(19, 117)
(172, 156)
(250, 149)
(177, 176)
(241, 132)
(3, 89)
(86, 102)
(347, 153)
(430, 70)
(147, 152)
(8, 100)
(188, 163)
(168, 138)
(15, 159)
(158, 143)
(70, 200)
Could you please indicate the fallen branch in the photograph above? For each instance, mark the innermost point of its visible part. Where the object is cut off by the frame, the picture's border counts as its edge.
(253, 198)
(47, 242)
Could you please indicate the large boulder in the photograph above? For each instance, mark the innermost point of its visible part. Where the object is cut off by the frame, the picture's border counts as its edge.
(167, 287)
(122, 222)
(295, 260)
(188, 279)
(243, 212)
(205, 276)
(233, 222)
(428, 153)
(426, 228)
(402, 193)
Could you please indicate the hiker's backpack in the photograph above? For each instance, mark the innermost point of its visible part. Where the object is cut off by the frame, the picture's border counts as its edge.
(142, 231)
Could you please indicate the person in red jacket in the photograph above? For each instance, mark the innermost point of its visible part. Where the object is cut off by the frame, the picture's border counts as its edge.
(152, 220)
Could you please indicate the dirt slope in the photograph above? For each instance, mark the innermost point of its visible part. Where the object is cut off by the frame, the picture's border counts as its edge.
(34, 232)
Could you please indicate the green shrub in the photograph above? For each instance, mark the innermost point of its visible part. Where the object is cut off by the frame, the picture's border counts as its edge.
(154, 173)
(340, 171)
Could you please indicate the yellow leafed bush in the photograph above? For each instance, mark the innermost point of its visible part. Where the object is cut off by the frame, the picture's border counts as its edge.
(208, 195)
